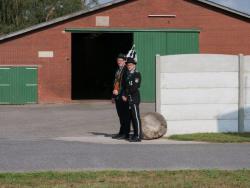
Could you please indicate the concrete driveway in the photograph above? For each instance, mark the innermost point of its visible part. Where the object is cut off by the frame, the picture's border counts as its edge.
(60, 120)
(77, 137)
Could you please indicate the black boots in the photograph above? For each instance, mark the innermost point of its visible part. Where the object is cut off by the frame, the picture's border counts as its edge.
(120, 137)
(126, 137)
(134, 139)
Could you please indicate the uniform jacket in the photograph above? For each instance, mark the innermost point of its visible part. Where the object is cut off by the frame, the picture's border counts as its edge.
(120, 77)
(132, 84)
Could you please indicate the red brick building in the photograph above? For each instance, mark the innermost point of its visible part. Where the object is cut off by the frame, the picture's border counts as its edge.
(99, 34)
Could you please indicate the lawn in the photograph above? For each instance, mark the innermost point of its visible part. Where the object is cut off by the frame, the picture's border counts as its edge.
(214, 137)
(123, 179)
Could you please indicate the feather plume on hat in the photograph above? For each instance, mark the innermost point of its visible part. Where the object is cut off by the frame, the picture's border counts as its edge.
(132, 53)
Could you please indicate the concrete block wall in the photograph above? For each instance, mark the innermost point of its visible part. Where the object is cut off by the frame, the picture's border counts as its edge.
(200, 93)
(247, 93)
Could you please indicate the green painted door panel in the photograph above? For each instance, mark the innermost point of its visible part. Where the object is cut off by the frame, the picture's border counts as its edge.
(28, 86)
(18, 85)
(5, 85)
(182, 43)
(149, 44)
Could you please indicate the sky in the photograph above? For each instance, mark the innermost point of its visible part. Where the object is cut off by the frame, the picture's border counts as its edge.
(241, 5)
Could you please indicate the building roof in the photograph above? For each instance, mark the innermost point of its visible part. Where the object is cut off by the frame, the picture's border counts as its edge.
(60, 19)
(105, 5)
(225, 8)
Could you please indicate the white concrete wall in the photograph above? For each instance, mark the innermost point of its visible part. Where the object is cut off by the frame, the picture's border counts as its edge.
(199, 93)
(247, 93)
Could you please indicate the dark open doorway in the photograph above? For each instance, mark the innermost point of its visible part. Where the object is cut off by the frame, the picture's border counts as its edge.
(94, 63)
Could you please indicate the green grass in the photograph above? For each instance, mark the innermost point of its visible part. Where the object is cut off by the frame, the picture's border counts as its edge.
(123, 179)
(214, 137)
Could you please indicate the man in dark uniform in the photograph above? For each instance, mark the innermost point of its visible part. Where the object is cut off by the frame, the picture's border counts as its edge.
(122, 107)
(132, 95)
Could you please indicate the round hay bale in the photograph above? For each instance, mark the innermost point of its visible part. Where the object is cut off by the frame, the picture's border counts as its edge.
(154, 125)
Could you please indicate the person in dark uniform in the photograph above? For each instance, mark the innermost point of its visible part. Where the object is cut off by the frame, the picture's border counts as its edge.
(122, 107)
(132, 95)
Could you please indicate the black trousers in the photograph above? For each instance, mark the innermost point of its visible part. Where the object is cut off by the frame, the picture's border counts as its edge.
(136, 119)
(122, 109)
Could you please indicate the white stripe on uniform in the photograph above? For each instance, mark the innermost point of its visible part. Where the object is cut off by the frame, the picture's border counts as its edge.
(137, 121)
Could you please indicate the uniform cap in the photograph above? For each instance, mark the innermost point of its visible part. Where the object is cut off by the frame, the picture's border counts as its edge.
(130, 60)
(121, 56)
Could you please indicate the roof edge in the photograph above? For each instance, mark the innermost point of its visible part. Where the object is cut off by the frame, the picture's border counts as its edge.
(99, 7)
(60, 19)
(228, 9)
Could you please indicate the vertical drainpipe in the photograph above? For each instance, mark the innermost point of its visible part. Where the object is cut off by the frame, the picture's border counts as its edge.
(158, 83)
(241, 95)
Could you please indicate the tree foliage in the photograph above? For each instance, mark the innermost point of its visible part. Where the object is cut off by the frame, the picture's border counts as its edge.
(18, 14)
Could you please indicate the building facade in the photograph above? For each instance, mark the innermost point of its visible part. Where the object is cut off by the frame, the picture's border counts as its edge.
(73, 57)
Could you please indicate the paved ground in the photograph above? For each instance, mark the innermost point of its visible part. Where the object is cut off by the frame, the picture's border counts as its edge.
(77, 137)
(62, 155)
(49, 121)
